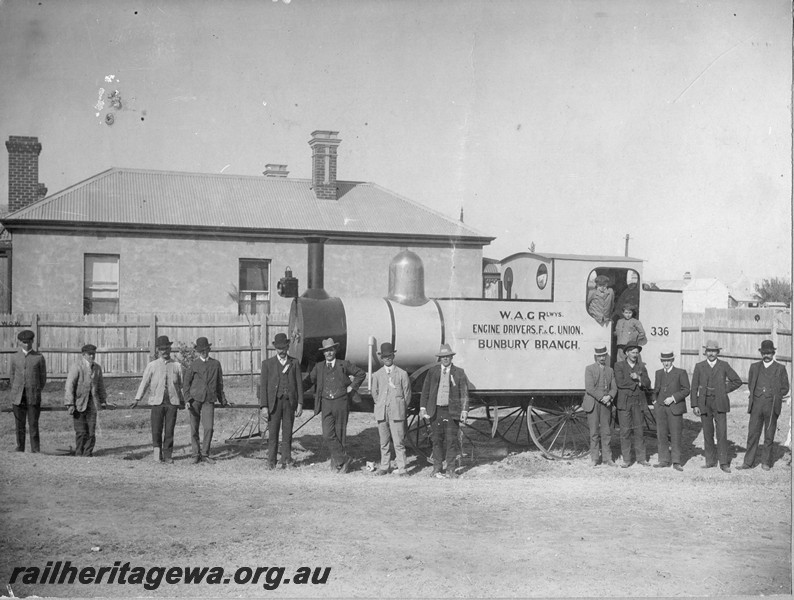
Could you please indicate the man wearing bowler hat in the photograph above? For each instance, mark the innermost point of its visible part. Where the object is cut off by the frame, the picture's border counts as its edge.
(391, 392)
(767, 383)
(670, 390)
(163, 378)
(280, 399)
(202, 388)
(632, 381)
(333, 380)
(84, 393)
(445, 396)
(600, 391)
(712, 380)
(27, 377)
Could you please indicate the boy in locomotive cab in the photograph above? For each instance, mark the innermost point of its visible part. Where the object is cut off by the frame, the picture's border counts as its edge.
(628, 327)
(445, 396)
(391, 392)
(600, 300)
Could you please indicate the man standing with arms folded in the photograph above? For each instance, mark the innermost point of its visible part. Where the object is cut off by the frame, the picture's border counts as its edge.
(203, 386)
(767, 383)
(84, 391)
(391, 392)
(600, 390)
(163, 378)
(670, 390)
(712, 381)
(632, 381)
(280, 399)
(27, 378)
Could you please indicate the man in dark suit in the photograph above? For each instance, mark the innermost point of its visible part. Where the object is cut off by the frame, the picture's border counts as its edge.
(712, 381)
(632, 380)
(202, 388)
(767, 383)
(280, 399)
(445, 396)
(84, 393)
(670, 390)
(27, 378)
(334, 379)
(600, 391)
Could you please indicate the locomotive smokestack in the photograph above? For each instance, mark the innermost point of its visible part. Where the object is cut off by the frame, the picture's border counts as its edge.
(315, 271)
(407, 279)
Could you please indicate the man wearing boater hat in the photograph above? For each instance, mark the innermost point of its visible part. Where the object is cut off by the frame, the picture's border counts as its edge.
(202, 388)
(27, 377)
(767, 383)
(280, 399)
(391, 392)
(712, 381)
(632, 380)
(670, 390)
(333, 380)
(600, 391)
(445, 396)
(84, 392)
(163, 378)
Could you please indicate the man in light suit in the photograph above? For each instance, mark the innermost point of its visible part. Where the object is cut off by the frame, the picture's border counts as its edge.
(712, 381)
(445, 395)
(600, 391)
(670, 390)
(202, 388)
(84, 392)
(391, 392)
(280, 399)
(27, 378)
(334, 380)
(632, 380)
(767, 383)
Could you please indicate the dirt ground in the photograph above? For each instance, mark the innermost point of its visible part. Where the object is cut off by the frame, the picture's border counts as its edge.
(514, 525)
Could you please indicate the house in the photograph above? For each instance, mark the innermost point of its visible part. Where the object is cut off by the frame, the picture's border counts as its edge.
(742, 293)
(698, 293)
(143, 241)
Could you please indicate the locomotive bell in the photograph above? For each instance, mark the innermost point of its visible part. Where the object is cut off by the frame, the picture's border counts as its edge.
(407, 279)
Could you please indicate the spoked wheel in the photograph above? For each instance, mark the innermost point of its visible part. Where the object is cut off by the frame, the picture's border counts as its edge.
(558, 427)
(512, 423)
(649, 419)
(417, 436)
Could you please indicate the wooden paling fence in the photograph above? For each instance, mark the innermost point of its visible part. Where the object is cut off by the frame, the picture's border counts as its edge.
(125, 342)
(739, 331)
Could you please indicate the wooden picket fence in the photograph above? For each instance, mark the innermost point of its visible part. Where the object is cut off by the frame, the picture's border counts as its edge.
(125, 342)
(739, 331)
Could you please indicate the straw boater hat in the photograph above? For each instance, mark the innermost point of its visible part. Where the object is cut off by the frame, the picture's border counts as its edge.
(712, 345)
(281, 341)
(767, 346)
(667, 356)
(202, 344)
(602, 351)
(445, 350)
(163, 342)
(632, 343)
(386, 349)
(26, 335)
(329, 344)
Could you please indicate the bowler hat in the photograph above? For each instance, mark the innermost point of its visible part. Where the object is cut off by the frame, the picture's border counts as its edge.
(202, 344)
(602, 280)
(386, 349)
(632, 343)
(26, 335)
(329, 344)
(445, 350)
(88, 349)
(281, 341)
(163, 342)
(602, 351)
(767, 346)
(667, 356)
(712, 345)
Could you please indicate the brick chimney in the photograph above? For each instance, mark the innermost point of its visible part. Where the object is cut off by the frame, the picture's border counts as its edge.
(275, 171)
(324, 145)
(23, 172)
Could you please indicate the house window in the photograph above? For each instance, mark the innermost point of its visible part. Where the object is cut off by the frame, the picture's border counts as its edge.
(101, 284)
(254, 296)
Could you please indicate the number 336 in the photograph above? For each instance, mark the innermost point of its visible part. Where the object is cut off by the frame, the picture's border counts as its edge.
(660, 331)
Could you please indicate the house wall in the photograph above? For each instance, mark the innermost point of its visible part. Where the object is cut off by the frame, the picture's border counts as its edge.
(197, 275)
(699, 300)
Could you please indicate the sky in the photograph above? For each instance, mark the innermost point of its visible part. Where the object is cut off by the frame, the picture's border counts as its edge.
(564, 123)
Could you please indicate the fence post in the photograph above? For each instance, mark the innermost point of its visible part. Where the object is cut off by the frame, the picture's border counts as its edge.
(774, 330)
(36, 330)
(153, 336)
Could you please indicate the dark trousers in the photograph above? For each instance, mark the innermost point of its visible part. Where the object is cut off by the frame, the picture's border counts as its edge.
(598, 420)
(444, 433)
(632, 423)
(85, 430)
(31, 412)
(715, 422)
(202, 416)
(668, 424)
(762, 417)
(335, 429)
(282, 416)
(163, 423)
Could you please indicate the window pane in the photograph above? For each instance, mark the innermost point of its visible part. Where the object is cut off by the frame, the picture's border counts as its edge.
(254, 275)
(101, 284)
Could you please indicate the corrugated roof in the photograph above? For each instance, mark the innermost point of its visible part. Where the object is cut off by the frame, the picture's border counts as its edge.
(166, 198)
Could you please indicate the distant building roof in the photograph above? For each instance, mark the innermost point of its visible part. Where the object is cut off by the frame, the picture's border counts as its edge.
(690, 285)
(138, 199)
(586, 257)
(742, 296)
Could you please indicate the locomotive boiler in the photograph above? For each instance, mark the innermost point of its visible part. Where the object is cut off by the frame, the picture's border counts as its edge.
(524, 354)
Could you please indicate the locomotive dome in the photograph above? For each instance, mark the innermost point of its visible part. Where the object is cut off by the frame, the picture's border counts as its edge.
(407, 279)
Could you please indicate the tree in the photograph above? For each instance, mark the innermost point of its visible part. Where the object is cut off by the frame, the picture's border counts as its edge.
(776, 289)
